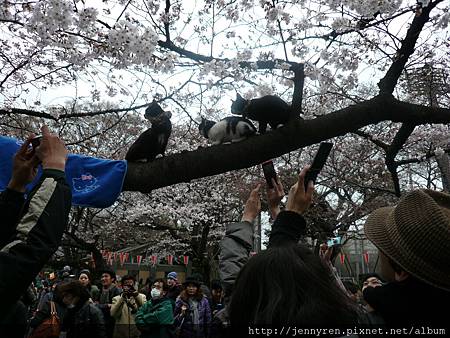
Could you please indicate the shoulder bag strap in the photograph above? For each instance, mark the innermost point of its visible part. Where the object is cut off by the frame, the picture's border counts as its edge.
(52, 308)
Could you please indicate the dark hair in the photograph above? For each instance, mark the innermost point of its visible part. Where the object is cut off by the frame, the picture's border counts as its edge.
(289, 285)
(111, 273)
(76, 289)
(128, 277)
(198, 295)
(164, 283)
(366, 276)
(216, 285)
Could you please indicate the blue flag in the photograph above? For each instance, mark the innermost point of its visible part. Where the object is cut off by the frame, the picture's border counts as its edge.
(94, 182)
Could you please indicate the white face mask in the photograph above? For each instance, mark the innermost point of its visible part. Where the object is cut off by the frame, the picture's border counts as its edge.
(155, 293)
(70, 306)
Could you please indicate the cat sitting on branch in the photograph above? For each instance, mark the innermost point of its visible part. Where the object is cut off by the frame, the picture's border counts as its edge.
(269, 109)
(154, 140)
(230, 129)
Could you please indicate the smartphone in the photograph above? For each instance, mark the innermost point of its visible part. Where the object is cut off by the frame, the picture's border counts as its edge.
(318, 163)
(334, 241)
(36, 141)
(269, 173)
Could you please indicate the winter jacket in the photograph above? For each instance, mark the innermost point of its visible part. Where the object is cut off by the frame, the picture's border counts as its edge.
(30, 233)
(155, 319)
(85, 321)
(409, 303)
(173, 293)
(235, 248)
(124, 310)
(106, 297)
(185, 322)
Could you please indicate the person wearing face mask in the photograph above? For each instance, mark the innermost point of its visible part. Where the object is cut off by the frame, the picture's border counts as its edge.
(155, 318)
(124, 309)
(83, 319)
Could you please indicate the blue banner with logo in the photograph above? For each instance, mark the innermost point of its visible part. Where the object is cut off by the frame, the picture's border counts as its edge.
(94, 182)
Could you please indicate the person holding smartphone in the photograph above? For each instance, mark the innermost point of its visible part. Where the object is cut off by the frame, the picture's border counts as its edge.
(287, 283)
(26, 221)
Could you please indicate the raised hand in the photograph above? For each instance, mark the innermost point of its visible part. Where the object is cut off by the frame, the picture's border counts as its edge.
(299, 200)
(252, 206)
(274, 197)
(24, 167)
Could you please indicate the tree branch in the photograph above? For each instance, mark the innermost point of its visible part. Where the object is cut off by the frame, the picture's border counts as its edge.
(388, 83)
(299, 81)
(186, 166)
(270, 64)
(397, 143)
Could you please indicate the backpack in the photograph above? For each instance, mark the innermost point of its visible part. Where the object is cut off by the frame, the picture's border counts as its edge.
(50, 327)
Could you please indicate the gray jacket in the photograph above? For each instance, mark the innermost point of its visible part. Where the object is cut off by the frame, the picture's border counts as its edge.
(235, 248)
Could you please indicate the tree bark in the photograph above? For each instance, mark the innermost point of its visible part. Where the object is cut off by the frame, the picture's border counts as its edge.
(203, 162)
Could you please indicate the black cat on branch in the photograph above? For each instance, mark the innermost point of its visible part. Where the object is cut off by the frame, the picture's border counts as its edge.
(298, 133)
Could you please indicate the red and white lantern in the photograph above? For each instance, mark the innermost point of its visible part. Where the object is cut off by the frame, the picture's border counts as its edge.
(138, 259)
(366, 257)
(169, 259)
(122, 258)
(342, 257)
(154, 260)
(186, 260)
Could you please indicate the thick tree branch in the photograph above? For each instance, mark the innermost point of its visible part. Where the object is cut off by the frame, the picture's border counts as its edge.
(166, 22)
(388, 83)
(186, 166)
(28, 112)
(299, 81)
(397, 143)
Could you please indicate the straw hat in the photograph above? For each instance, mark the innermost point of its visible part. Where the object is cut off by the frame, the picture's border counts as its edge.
(415, 234)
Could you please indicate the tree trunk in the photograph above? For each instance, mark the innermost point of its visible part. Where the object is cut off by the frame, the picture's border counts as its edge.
(444, 167)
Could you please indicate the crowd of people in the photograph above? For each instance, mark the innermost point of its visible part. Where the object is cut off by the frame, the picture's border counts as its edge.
(286, 285)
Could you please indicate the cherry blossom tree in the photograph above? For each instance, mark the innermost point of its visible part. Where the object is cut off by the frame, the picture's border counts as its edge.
(355, 72)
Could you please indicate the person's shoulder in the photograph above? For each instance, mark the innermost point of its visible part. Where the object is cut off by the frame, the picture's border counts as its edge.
(93, 308)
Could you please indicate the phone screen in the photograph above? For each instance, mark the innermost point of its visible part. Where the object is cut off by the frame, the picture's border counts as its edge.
(269, 173)
(318, 162)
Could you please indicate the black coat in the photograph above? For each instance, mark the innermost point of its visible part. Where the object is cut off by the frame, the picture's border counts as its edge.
(84, 322)
(409, 303)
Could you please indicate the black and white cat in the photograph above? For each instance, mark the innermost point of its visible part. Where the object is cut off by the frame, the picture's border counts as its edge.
(154, 140)
(268, 109)
(230, 129)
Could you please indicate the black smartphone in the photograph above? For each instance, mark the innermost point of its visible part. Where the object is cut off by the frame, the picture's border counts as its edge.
(36, 141)
(318, 163)
(269, 173)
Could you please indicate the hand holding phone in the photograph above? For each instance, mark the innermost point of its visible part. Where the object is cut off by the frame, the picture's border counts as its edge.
(36, 141)
(269, 173)
(318, 162)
